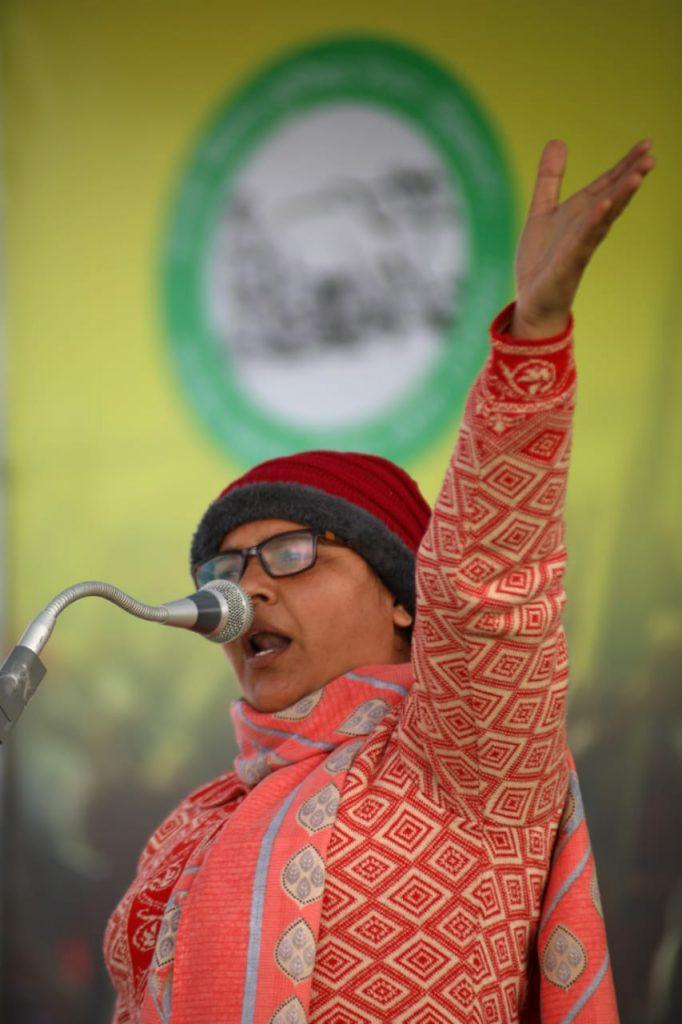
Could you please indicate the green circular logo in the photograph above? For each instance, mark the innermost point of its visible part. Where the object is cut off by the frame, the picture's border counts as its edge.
(341, 237)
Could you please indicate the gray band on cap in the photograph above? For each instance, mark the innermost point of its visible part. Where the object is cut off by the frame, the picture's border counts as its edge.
(389, 556)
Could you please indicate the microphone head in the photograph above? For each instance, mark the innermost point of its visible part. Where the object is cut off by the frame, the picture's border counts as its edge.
(238, 610)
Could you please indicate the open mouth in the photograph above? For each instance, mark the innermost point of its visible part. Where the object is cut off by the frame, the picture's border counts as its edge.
(263, 645)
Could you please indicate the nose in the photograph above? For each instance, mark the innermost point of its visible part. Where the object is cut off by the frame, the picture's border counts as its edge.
(256, 582)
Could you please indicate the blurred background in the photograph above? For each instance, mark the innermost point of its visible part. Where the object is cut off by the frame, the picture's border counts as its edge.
(237, 232)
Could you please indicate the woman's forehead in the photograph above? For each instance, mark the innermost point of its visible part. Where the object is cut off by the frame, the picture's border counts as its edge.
(248, 534)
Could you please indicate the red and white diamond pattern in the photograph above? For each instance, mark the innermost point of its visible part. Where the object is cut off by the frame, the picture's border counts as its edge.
(440, 849)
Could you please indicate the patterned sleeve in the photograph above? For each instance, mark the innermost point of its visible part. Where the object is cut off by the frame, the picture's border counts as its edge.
(484, 725)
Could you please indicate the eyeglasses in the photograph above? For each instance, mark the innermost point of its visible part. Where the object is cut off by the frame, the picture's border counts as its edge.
(285, 554)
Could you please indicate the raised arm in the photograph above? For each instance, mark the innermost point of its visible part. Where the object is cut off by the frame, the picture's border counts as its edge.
(485, 722)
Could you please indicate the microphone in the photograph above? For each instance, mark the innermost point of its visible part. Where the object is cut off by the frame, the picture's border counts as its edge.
(221, 611)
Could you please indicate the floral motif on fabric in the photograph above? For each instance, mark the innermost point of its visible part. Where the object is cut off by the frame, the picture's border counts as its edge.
(564, 958)
(319, 810)
(165, 943)
(530, 378)
(160, 978)
(341, 759)
(291, 1012)
(303, 875)
(295, 951)
(595, 894)
(253, 770)
(574, 811)
(365, 718)
(302, 708)
(143, 939)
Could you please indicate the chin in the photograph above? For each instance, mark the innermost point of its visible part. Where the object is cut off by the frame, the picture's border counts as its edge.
(271, 696)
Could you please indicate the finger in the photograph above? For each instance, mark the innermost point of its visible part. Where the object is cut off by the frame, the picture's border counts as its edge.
(590, 230)
(641, 165)
(623, 190)
(621, 167)
(550, 175)
(633, 154)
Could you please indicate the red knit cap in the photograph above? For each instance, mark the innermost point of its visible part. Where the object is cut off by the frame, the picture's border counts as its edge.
(368, 501)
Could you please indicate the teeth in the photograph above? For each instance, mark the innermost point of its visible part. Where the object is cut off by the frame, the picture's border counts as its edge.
(257, 643)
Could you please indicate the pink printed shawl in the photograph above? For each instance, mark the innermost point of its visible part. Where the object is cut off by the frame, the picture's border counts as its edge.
(249, 901)
(253, 899)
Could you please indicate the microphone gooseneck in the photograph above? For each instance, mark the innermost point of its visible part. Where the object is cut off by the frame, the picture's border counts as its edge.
(220, 611)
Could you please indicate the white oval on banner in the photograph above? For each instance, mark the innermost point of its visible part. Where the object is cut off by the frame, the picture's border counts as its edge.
(335, 265)
(341, 237)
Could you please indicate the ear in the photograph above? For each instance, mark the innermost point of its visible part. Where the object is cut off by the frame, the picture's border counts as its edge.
(401, 616)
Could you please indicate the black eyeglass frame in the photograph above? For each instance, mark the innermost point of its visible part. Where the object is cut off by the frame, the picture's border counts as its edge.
(327, 537)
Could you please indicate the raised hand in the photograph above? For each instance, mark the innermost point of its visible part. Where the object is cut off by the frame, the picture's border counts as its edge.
(558, 239)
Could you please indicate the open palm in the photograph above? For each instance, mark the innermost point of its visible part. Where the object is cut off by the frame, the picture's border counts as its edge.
(559, 238)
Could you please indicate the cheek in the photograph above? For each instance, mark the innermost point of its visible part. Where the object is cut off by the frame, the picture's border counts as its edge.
(350, 607)
(321, 612)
